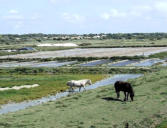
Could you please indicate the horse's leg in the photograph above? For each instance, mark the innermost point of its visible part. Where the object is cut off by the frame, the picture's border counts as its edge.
(125, 96)
(118, 95)
(79, 89)
(84, 88)
(70, 89)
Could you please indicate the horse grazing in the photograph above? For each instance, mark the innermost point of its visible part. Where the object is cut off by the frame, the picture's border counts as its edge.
(126, 88)
(78, 83)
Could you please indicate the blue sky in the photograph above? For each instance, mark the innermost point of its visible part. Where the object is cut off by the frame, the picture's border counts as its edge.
(82, 16)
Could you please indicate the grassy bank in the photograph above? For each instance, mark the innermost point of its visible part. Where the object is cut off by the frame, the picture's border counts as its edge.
(78, 70)
(82, 59)
(49, 84)
(73, 58)
(163, 124)
(114, 42)
(99, 108)
(159, 55)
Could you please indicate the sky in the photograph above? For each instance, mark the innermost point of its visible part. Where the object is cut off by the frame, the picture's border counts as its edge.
(82, 16)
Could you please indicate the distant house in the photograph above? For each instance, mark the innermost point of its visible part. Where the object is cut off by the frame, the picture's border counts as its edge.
(96, 37)
(27, 49)
(76, 37)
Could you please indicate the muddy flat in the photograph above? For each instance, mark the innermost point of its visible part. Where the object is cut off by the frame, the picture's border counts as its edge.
(91, 52)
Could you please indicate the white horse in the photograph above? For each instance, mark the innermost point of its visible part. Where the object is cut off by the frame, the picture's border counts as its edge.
(78, 83)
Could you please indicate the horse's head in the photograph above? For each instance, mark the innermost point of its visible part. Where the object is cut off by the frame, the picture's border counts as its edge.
(132, 94)
(69, 83)
(89, 82)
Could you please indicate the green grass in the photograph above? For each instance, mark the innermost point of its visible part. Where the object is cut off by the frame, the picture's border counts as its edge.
(91, 109)
(159, 55)
(53, 48)
(81, 70)
(49, 84)
(162, 125)
(113, 42)
(91, 42)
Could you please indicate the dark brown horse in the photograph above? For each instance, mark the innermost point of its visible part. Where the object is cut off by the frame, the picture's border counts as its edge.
(126, 88)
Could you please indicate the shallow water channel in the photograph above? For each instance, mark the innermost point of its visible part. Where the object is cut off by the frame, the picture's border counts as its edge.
(149, 62)
(124, 63)
(95, 63)
(54, 64)
(13, 107)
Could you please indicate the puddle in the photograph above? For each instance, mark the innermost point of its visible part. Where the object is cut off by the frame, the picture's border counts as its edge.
(13, 107)
(124, 63)
(149, 62)
(97, 62)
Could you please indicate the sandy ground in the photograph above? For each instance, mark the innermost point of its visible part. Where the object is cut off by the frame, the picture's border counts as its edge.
(91, 52)
(19, 87)
(58, 45)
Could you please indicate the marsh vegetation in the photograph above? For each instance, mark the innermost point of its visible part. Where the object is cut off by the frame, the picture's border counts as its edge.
(99, 108)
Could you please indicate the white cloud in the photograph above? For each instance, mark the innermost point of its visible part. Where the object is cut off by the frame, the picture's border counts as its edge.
(19, 25)
(161, 6)
(158, 7)
(14, 17)
(117, 13)
(114, 13)
(105, 16)
(13, 11)
(17, 20)
(73, 18)
(147, 12)
(35, 16)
